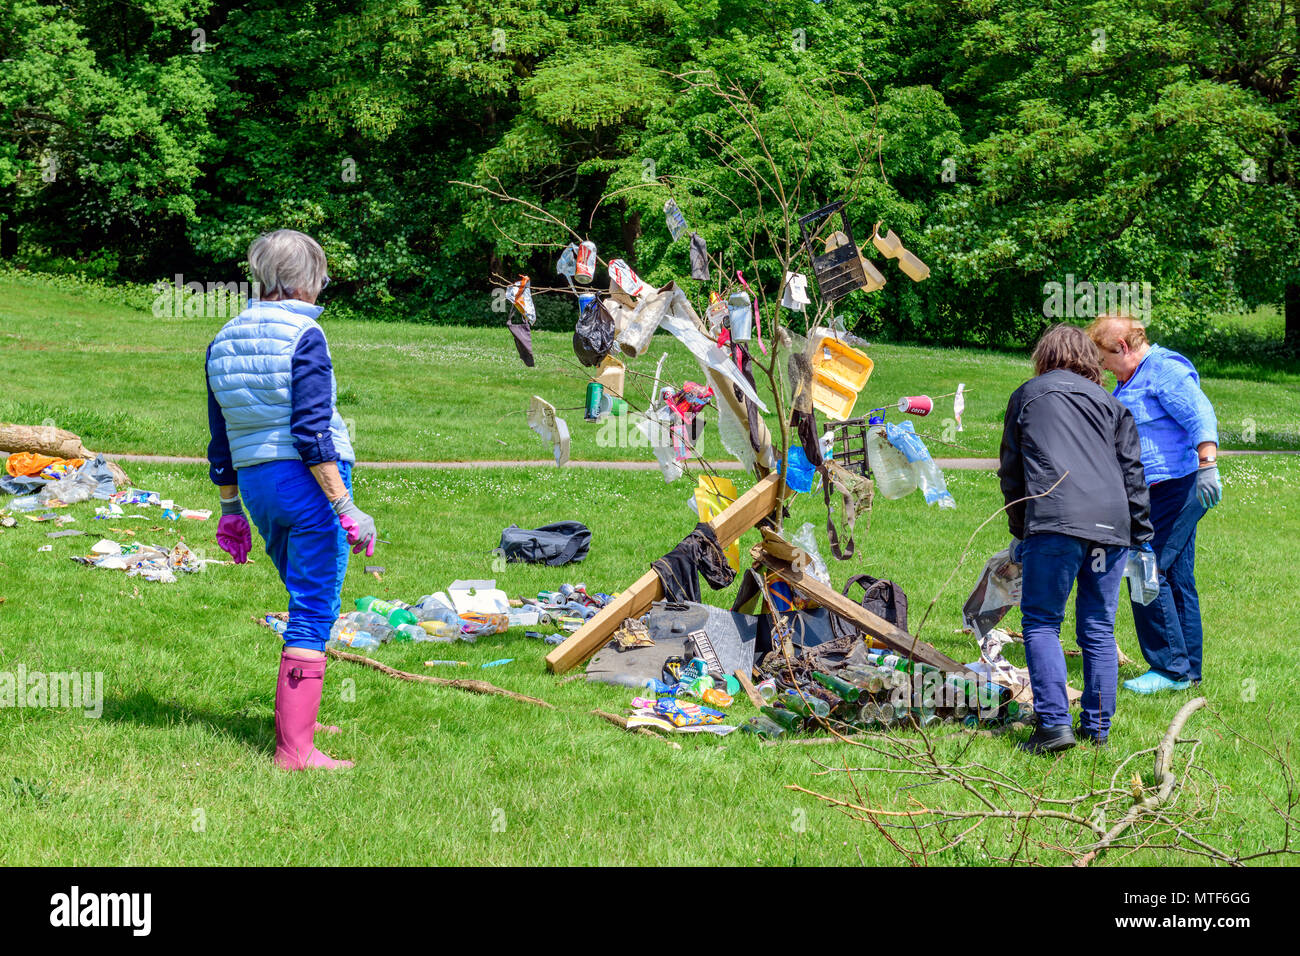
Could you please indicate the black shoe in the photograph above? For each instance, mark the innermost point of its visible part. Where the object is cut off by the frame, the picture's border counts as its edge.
(1048, 740)
(1083, 735)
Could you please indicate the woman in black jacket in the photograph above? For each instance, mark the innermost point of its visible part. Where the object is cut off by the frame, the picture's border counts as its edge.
(1062, 426)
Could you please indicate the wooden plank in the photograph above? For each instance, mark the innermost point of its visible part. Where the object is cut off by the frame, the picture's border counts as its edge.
(880, 629)
(745, 512)
(750, 690)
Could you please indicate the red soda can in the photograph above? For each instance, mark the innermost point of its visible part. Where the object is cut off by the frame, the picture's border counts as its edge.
(585, 267)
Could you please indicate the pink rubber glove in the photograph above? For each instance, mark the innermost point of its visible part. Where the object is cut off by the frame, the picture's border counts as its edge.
(360, 527)
(233, 534)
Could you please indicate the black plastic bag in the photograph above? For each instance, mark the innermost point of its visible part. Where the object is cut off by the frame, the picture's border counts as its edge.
(593, 338)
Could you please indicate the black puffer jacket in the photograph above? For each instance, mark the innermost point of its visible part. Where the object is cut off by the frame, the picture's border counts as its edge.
(1060, 422)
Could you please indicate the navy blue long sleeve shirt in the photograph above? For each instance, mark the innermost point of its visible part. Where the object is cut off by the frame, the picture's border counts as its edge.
(309, 423)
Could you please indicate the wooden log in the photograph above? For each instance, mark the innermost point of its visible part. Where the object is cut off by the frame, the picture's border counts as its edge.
(745, 512)
(55, 442)
(42, 440)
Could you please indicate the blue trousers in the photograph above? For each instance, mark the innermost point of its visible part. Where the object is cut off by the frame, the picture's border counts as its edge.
(304, 541)
(1169, 628)
(1052, 563)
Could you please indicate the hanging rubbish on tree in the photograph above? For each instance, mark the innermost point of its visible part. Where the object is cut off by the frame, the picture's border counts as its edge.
(891, 247)
(593, 337)
(567, 266)
(676, 221)
(699, 258)
(521, 296)
(839, 269)
(626, 279)
(758, 325)
(585, 263)
(715, 316)
(959, 405)
(918, 405)
(552, 429)
(709, 353)
(795, 296)
(740, 316)
(686, 404)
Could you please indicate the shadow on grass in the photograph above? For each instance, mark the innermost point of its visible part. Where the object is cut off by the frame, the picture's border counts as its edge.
(144, 709)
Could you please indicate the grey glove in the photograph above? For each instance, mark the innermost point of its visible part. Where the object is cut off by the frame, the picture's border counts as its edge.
(1208, 487)
(359, 526)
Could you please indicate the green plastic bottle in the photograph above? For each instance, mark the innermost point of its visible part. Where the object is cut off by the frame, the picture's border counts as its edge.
(394, 612)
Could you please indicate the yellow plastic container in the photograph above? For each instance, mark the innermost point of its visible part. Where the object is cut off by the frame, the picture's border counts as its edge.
(832, 398)
(843, 363)
(839, 372)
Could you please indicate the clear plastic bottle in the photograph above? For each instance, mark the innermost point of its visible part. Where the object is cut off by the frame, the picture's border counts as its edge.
(395, 612)
(410, 632)
(893, 473)
(346, 639)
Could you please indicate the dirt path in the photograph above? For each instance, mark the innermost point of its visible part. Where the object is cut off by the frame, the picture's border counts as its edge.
(967, 464)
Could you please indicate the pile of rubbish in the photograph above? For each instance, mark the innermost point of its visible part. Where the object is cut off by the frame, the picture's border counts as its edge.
(44, 486)
(147, 561)
(466, 611)
(845, 686)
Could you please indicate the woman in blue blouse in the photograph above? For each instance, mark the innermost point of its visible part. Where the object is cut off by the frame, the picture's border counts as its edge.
(278, 440)
(1180, 443)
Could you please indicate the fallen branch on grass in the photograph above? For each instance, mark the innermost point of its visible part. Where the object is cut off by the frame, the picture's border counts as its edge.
(473, 686)
(1165, 781)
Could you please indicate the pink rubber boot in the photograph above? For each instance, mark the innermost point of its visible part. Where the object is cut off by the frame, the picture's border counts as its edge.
(297, 702)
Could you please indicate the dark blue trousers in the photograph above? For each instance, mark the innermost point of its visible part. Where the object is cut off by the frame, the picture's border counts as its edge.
(1169, 628)
(304, 541)
(1052, 563)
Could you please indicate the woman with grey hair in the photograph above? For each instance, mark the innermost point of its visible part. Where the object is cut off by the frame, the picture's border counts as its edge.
(278, 440)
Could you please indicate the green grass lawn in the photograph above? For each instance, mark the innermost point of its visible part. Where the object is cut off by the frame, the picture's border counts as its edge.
(178, 770)
(129, 382)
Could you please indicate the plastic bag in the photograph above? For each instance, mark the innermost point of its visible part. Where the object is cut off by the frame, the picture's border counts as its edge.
(77, 487)
(806, 541)
(1143, 576)
(593, 338)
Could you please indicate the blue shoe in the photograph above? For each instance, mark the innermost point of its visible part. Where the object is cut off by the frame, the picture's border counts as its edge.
(1153, 683)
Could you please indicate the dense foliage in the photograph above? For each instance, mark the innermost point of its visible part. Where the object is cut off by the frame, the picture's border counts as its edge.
(1019, 143)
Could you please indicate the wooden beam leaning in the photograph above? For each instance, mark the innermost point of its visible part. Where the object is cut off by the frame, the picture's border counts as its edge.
(893, 637)
(745, 512)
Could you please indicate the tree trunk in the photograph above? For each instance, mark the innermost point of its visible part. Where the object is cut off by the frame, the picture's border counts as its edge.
(1291, 308)
(8, 223)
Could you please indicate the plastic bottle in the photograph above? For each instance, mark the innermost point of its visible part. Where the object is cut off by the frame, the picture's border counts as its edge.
(352, 640)
(393, 611)
(276, 624)
(364, 620)
(410, 632)
(889, 466)
(440, 631)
